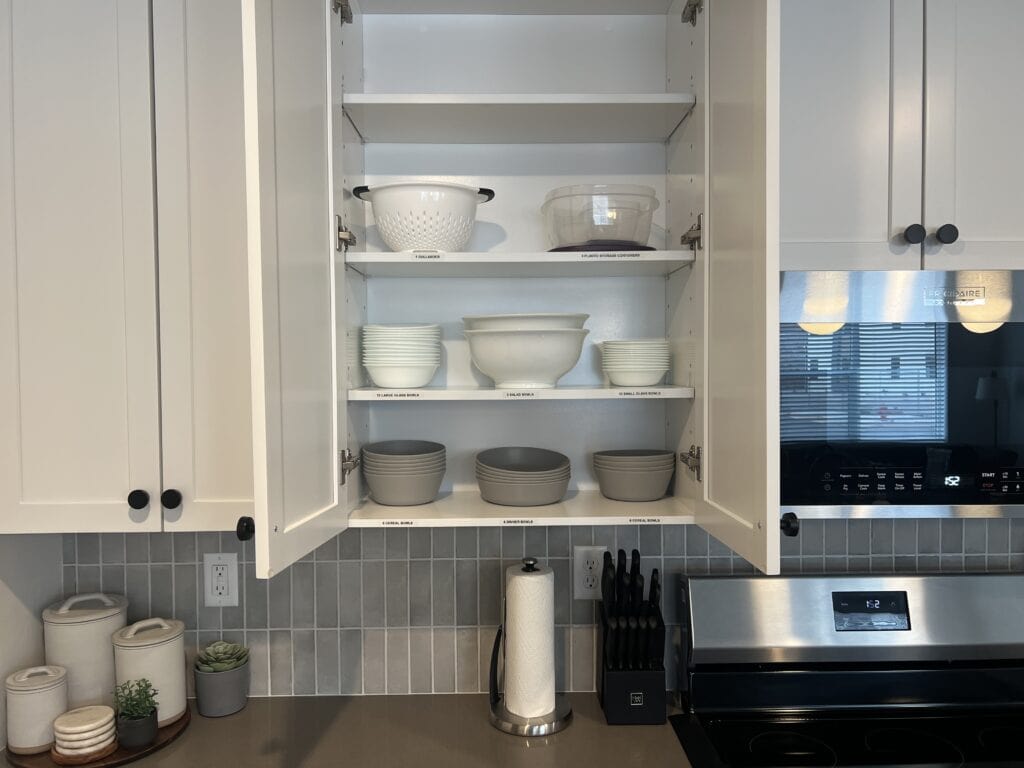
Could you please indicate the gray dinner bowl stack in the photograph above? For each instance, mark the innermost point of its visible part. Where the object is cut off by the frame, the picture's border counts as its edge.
(404, 473)
(635, 474)
(522, 477)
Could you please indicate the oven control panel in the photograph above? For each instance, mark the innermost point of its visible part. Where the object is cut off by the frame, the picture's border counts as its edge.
(870, 611)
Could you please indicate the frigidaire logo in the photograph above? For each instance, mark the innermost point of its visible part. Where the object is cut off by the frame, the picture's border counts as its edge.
(963, 296)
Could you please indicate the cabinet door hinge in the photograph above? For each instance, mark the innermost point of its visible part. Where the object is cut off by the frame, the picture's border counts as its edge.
(694, 237)
(347, 464)
(692, 460)
(346, 238)
(690, 11)
(344, 10)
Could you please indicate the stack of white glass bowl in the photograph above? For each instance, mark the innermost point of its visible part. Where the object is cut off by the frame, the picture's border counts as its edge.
(635, 362)
(522, 477)
(634, 475)
(401, 356)
(528, 351)
(403, 473)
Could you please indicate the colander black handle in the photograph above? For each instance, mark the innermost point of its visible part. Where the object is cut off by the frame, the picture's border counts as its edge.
(487, 194)
(360, 191)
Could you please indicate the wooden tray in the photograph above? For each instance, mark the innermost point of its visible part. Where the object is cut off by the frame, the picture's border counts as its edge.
(122, 756)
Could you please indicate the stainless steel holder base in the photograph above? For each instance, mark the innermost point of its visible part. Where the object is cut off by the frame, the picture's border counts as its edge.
(545, 725)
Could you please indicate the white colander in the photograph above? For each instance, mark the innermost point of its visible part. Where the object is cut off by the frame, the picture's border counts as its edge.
(424, 215)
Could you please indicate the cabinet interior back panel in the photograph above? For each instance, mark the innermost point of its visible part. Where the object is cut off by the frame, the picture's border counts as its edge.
(521, 175)
(513, 54)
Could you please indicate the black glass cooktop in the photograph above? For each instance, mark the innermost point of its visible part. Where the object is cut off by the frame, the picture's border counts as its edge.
(974, 741)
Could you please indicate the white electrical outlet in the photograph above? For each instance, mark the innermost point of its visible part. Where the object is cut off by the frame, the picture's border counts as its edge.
(220, 579)
(587, 563)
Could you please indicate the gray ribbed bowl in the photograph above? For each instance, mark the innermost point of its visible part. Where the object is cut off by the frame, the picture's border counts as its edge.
(522, 478)
(634, 486)
(404, 490)
(396, 449)
(519, 459)
(523, 494)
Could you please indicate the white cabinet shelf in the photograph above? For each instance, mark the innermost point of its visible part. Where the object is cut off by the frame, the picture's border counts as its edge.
(372, 394)
(538, 7)
(537, 264)
(516, 118)
(466, 508)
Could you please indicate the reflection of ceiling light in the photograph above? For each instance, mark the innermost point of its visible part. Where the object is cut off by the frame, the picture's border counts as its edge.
(994, 310)
(826, 297)
(821, 329)
(981, 327)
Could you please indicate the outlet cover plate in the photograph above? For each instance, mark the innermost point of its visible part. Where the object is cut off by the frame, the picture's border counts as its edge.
(220, 579)
(586, 572)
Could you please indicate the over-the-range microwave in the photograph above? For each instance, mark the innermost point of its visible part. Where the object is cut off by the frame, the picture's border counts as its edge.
(903, 389)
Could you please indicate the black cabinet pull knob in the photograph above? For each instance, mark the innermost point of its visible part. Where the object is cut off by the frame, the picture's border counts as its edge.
(170, 499)
(914, 234)
(245, 529)
(138, 499)
(790, 524)
(947, 234)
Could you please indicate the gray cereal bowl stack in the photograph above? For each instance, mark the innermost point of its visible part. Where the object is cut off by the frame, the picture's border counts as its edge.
(634, 475)
(522, 477)
(404, 473)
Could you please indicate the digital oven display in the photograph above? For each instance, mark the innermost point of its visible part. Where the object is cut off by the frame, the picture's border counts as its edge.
(870, 611)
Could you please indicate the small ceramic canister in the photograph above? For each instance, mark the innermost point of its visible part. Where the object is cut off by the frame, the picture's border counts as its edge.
(35, 697)
(154, 649)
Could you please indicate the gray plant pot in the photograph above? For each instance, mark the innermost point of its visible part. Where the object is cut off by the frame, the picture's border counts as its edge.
(222, 693)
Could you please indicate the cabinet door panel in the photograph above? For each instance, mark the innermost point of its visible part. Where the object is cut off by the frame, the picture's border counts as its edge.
(741, 479)
(204, 298)
(974, 162)
(297, 432)
(79, 414)
(852, 99)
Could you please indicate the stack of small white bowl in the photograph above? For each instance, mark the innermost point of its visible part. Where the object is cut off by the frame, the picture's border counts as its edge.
(84, 733)
(404, 473)
(635, 362)
(522, 477)
(634, 475)
(526, 351)
(401, 356)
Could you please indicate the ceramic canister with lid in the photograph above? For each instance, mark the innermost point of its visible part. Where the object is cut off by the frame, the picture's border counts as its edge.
(35, 698)
(76, 633)
(154, 649)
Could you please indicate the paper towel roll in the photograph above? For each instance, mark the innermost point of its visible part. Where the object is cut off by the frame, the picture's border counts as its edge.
(529, 641)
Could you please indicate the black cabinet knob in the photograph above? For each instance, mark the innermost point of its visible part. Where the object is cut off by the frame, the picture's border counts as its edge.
(947, 234)
(170, 499)
(138, 499)
(790, 524)
(914, 234)
(245, 529)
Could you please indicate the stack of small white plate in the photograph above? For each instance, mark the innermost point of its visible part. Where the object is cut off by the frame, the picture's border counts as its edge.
(401, 356)
(635, 362)
(85, 732)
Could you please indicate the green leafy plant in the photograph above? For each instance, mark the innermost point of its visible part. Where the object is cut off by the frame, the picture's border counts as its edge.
(222, 657)
(135, 699)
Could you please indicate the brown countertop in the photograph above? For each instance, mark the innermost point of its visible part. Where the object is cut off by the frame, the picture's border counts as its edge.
(449, 731)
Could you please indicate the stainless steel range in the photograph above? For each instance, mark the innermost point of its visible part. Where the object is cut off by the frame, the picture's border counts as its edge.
(860, 671)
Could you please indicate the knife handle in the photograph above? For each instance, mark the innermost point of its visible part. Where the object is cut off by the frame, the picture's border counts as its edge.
(631, 652)
(637, 597)
(643, 643)
(620, 649)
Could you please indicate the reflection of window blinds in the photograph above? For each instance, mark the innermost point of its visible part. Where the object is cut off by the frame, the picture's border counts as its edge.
(868, 381)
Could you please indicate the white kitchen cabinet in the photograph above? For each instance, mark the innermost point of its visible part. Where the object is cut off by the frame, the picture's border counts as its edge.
(79, 390)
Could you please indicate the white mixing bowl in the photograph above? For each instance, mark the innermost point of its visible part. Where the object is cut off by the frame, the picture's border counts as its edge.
(526, 359)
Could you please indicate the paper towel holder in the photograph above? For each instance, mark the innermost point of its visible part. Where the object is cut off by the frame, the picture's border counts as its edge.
(545, 725)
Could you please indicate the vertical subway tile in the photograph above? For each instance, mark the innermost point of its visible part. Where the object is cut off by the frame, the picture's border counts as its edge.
(485, 644)
(535, 542)
(627, 537)
(419, 593)
(558, 541)
(581, 535)
(671, 588)
(397, 594)
(303, 596)
(511, 543)
(859, 537)
(975, 536)
(112, 579)
(88, 549)
(697, 542)
(836, 564)
(812, 537)
(351, 659)
(136, 548)
(280, 662)
(1000, 540)
(489, 540)
(185, 584)
(161, 591)
(562, 655)
(882, 564)
(259, 662)
(974, 563)
(905, 537)
(396, 544)
(835, 537)
(256, 599)
(419, 543)
(373, 543)
(111, 548)
(563, 590)
(951, 563)
(70, 581)
(650, 540)
(421, 661)
(951, 535)
(857, 564)
(374, 669)
(229, 544)
(69, 554)
(466, 592)
(465, 542)
(741, 566)
(304, 660)
(717, 548)
(582, 659)
(719, 566)
(927, 537)
(443, 542)
(674, 539)
(582, 611)
(882, 537)
(350, 544)
(928, 563)
(905, 563)
(443, 592)
(467, 660)
(328, 672)
(160, 549)
(233, 616)
(489, 581)
(327, 551)
(207, 543)
(184, 547)
(397, 661)
(603, 536)
(326, 595)
(373, 593)
(350, 594)
(789, 546)
(444, 660)
(279, 590)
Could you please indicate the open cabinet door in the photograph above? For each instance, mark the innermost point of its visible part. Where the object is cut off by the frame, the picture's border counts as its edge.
(300, 501)
(740, 495)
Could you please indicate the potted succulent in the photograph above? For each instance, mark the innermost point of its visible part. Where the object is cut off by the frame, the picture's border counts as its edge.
(222, 679)
(135, 702)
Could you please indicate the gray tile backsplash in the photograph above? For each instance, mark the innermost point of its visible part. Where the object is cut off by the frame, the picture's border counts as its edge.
(415, 611)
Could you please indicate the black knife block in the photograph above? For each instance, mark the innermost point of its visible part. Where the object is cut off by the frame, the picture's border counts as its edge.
(629, 696)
